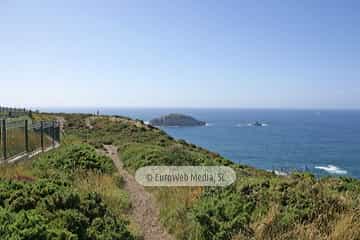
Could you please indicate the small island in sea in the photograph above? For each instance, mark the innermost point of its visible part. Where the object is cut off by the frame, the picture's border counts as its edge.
(176, 119)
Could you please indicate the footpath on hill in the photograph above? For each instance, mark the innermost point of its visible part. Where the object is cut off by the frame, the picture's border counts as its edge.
(144, 210)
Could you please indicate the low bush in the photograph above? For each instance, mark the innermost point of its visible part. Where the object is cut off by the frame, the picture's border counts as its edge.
(75, 157)
(221, 215)
(47, 209)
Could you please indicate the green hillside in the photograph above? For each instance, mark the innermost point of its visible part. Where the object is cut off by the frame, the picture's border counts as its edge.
(75, 184)
(260, 205)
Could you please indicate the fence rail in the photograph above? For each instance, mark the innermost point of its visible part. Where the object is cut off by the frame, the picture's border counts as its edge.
(22, 138)
(7, 112)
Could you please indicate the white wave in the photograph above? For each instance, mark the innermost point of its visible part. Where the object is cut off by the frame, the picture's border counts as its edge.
(278, 173)
(208, 124)
(332, 169)
(251, 125)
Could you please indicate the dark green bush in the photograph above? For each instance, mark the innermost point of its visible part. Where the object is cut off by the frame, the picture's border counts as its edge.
(348, 184)
(75, 157)
(50, 210)
(140, 155)
(221, 214)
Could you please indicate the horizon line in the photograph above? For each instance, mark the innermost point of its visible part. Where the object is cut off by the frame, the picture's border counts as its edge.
(197, 107)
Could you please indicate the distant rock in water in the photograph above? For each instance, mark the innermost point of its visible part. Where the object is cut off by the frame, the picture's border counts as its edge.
(175, 119)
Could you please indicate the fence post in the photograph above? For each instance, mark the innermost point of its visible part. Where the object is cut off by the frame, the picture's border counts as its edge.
(4, 138)
(53, 134)
(42, 135)
(27, 136)
(58, 131)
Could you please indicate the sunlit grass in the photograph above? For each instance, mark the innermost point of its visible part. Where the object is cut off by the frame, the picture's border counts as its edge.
(14, 171)
(104, 184)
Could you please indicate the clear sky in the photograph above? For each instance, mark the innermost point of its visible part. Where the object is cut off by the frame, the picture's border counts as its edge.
(186, 53)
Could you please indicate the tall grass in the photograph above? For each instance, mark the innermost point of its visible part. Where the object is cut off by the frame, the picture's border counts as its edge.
(175, 203)
(115, 197)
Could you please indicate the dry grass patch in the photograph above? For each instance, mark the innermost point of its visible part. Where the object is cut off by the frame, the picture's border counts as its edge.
(19, 171)
(347, 227)
(175, 203)
(115, 198)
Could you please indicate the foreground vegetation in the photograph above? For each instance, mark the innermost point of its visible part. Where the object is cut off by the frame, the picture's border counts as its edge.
(73, 193)
(70, 193)
(260, 205)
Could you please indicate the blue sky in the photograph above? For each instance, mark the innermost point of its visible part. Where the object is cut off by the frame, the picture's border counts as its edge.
(244, 54)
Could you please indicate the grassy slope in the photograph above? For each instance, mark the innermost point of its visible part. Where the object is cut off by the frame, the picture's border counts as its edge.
(69, 193)
(260, 205)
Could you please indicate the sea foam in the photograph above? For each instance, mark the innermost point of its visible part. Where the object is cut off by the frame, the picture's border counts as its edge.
(250, 125)
(332, 169)
(278, 172)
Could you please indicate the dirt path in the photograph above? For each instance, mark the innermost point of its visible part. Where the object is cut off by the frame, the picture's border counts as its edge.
(144, 212)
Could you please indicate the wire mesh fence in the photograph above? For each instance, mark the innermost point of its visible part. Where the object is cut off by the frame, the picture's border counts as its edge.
(22, 137)
(6, 112)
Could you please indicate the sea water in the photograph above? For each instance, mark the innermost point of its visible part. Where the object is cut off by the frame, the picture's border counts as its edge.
(320, 141)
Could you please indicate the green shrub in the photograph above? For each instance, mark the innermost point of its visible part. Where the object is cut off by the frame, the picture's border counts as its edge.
(140, 155)
(23, 225)
(348, 184)
(51, 210)
(220, 215)
(76, 157)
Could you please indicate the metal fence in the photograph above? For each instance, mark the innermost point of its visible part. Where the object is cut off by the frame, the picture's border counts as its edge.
(6, 112)
(24, 137)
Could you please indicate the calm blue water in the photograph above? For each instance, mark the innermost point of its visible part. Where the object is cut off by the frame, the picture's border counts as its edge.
(324, 142)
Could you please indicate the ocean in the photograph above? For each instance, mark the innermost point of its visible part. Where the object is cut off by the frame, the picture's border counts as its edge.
(324, 142)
